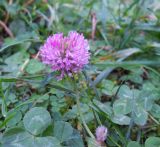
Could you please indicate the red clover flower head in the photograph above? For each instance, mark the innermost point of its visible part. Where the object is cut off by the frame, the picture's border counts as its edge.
(65, 54)
(101, 133)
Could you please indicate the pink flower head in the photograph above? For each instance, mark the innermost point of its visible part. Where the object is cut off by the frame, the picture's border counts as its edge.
(65, 54)
(101, 133)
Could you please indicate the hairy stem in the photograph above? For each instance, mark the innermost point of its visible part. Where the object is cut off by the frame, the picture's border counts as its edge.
(82, 119)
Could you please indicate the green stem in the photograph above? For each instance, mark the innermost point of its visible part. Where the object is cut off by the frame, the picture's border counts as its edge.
(82, 119)
(92, 87)
(97, 117)
(156, 121)
(4, 106)
(114, 142)
(79, 109)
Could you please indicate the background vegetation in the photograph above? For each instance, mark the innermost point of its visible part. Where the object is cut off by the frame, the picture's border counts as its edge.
(119, 88)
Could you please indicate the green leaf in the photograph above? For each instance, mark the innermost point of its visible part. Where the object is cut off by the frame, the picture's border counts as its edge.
(46, 142)
(36, 120)
(6, 120)
(14, 63)
(108, 87)
(61, 88)
(140, 116)
(17, 58)
(133, 144)
(62, 130)
(127, 64)
(121, 119)
(155, 111)
(13, 42)
(132, 101)
(12, 9)
(57, 103)
(123, 54)
(122, 106)
(18, 27)
(133, 77)
(8, 79)
(3, 98)
(17, 117)
(34, 66)
(72, 113)
(4, 108)
(104, 107)
(148, 27)
(152, 142)
(125, 92)
(75, 140)
(47, 79)
(145, 100)
(18, 137)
